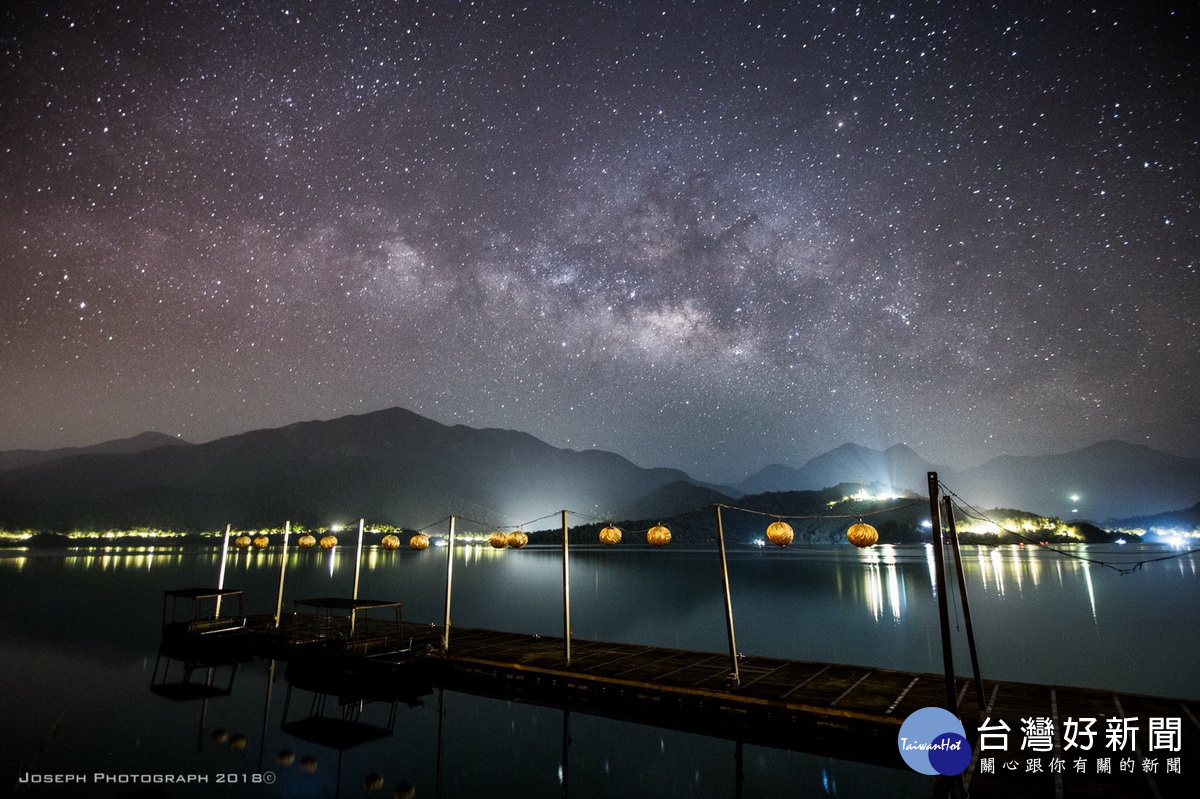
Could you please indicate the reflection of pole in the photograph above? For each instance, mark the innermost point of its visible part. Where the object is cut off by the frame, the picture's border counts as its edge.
(221, 571)
(357, 571)
(565, 778)
(262, 746)
(441, 736)
(962, 590)
(939, 573)
(203, 708)
(566, 592)
(287, 531)
(449, 584)
(733, 654)
(739, 771)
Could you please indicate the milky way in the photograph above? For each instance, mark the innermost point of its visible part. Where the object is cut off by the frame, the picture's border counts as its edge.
(705, 235)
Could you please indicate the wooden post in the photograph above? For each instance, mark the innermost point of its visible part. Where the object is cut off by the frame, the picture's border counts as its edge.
(939, 573)
(733, 654)
(287, 531)
(449, 583)
(221, 571)
(566, 564)
(357, 572)
(962, 590)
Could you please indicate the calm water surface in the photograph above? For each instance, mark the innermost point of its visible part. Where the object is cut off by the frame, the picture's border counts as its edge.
(80, 635)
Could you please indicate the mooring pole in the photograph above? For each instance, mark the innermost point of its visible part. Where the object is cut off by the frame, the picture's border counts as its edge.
(566, 590)
(358, 559)
(733, 653)
(939, 574)
(287, 531)
(221, 571)
(962, 590)
(449, 584)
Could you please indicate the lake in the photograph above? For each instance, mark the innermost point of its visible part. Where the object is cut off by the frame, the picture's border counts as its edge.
(80, 637)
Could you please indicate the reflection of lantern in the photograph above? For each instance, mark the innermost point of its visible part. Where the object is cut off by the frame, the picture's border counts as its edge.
(390, 542)
(237, 742)
(405, 790)
(219, 736)
(862, 535)
(419, 541)
(286, 757)
(610, 536)
(517, 539)
(306, 541)
(308, 764)
(658, 535)
(328, 541)
(242, 541)
(498, 539)
(780, 533)
(373, 782)
(260, 542)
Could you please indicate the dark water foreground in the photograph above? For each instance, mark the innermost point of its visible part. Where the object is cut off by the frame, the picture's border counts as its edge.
(80, 646)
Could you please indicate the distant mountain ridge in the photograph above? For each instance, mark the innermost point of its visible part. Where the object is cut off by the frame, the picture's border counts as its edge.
(898, 466)
(20, 458)
(391, 465)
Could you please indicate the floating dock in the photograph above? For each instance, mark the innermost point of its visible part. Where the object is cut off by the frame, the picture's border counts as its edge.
(844, 711)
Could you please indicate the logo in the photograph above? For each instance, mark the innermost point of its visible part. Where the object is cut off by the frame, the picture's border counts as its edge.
(933, 741)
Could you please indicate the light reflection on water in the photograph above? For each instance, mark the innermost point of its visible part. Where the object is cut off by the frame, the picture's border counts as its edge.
(80, 627)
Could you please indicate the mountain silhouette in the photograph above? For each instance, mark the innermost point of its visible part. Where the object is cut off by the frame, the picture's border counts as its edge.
(20, 458)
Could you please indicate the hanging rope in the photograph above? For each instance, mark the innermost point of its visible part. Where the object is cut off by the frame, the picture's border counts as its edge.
(1121, 567)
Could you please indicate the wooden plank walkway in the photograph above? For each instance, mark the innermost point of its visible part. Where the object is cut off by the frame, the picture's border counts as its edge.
(846, 711)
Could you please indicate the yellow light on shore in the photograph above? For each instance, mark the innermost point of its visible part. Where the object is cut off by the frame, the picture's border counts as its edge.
(780, 533)
(306, 541)
(658, 536)
(390, 542)
(517, 539)
(328, 541)
(610, 536)
(498, 539)
(242, 541)
(260, 542)
(862, 535)
(419, 541)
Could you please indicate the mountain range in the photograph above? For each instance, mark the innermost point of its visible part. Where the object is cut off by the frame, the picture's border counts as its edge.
(399, 467)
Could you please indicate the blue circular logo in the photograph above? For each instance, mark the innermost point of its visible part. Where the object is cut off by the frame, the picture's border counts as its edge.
(933, 741)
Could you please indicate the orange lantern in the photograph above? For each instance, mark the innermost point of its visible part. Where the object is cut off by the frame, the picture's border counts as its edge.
(242, 541)
(390, 542)
(306, 541)
(517, 539)
(328, 541)
(658, 536)
(610, 536)
(862, 535)
(260, 542)
(780, 533)
(419, 541)
(498, 539)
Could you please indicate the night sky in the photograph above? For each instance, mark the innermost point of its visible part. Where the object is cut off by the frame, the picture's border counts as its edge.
(710, 235)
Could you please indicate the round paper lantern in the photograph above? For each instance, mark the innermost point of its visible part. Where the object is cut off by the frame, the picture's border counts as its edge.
(658, 536)
(328, 541)
(498, 539)
(260, 542)
(308, 764)
(306, 541)
(610, 536)
(242, 541)
(419, 541)
(862, 535)
(517, 539)
(780, 533)
(390, 542)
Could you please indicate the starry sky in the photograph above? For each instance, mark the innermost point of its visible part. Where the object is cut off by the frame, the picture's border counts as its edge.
(709, 235)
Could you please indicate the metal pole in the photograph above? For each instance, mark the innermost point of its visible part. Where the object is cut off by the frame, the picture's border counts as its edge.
(733, 654)
(221, 571)
(449, 584)
(939, 573)
(357, 571)
(287, 531)
(962, 590)
(566, 591)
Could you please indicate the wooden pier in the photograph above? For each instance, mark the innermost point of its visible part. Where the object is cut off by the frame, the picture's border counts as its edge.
(844, 711)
